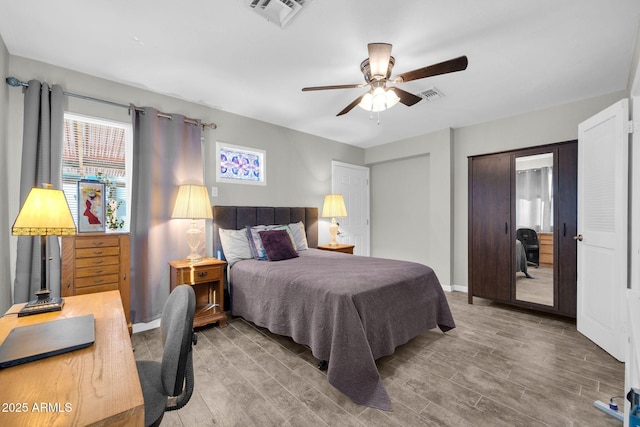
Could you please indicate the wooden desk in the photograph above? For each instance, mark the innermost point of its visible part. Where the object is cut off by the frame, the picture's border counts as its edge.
(97, 385)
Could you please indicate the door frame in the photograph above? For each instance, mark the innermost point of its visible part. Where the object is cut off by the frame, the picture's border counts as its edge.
(366, 207)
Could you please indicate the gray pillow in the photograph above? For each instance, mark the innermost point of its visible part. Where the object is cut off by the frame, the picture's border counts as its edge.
(299, 236)
(235, 245)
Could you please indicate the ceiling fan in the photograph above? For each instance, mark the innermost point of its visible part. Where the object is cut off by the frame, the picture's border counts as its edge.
(377, 71)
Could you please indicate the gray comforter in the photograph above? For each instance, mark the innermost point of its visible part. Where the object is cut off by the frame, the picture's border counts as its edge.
(349, 310)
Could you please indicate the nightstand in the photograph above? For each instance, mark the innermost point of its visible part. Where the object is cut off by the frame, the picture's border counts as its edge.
(347, 249)
(207, 279)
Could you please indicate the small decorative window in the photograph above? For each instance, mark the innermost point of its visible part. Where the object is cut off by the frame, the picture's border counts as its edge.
(240, 165)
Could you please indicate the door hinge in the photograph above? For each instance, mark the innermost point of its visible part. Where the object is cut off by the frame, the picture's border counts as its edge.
(631, 127)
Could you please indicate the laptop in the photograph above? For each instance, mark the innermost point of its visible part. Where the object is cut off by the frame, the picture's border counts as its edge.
(32, 342)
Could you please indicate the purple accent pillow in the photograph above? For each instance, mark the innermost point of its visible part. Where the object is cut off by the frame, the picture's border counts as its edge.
(277, 244)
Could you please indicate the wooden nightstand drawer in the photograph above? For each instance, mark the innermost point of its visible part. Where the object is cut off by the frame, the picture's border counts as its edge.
(188, 275)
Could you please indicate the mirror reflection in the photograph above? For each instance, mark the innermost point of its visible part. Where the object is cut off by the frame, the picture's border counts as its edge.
(534, 229)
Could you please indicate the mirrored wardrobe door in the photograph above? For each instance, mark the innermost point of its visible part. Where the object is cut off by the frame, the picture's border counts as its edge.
(534, 217)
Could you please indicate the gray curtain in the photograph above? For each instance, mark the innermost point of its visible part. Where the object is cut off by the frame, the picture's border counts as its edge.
(43, 133)
(166, 154)
(534, 199)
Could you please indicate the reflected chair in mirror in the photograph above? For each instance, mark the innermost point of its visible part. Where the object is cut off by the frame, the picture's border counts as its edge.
(529, 239)
(168, 385)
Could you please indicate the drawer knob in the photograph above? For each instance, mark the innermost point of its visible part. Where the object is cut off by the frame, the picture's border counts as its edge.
(98, 262)
(202, 273)
(97, 243)
(97, 252)
(98, 281)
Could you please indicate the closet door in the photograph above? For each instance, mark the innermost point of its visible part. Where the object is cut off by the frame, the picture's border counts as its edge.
(566, 228)
(490, 242)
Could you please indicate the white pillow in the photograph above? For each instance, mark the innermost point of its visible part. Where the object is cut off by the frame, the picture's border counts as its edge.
(235, 245)
(299, 236)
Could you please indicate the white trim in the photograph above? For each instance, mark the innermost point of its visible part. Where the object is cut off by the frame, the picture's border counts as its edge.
(255, 151)
(141, 327)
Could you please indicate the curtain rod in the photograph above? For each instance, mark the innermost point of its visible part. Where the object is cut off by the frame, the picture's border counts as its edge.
(12, 81)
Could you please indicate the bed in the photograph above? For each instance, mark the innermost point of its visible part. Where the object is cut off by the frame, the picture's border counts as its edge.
(349, 310)
(521, 260)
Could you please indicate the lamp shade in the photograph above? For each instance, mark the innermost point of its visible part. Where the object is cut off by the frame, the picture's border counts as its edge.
(192, 203)
(333, 206)
(45, 212)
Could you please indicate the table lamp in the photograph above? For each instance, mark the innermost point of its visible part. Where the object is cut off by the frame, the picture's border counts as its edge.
(193, 203)
(45, 212)
(333, 208)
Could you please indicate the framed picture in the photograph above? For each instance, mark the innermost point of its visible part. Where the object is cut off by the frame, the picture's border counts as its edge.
(91, 206)
(240, 165)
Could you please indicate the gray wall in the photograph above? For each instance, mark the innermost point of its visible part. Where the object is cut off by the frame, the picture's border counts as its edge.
(298, 164)
(399, 228)
(436, 184)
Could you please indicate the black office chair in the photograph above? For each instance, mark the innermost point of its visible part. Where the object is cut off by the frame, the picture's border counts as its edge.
(529, 239)
(173, 377)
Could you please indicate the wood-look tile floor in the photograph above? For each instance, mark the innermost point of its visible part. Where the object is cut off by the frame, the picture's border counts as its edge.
(499, 367)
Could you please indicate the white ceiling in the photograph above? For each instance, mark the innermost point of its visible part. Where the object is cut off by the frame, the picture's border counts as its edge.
(523, 55)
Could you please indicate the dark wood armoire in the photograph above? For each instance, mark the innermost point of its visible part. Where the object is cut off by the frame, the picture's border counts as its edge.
(494, 270)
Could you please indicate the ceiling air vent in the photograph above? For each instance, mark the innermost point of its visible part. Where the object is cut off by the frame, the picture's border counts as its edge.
(280, 12)
(431, 94)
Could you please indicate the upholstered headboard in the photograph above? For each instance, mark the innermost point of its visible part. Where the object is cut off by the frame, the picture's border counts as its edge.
(237, 217)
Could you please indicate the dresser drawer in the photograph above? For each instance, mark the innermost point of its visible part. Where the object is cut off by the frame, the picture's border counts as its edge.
(97, 270)
(97, 242)
(83, 282)
(97, 252)
(187, 275)
(97, 261)
(99, 288)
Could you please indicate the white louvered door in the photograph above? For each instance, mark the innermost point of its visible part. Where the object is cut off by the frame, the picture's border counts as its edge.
(603, 145)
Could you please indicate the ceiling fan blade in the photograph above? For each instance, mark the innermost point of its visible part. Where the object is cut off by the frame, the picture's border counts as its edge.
(406, 98)
(450, 66)
(379, 54)
(350, 106)
(305, 89)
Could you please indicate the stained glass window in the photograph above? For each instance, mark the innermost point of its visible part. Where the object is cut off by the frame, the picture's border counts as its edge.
(242, 165)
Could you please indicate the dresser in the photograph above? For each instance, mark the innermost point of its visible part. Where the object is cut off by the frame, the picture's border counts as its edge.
(546, 249)
(97, 262)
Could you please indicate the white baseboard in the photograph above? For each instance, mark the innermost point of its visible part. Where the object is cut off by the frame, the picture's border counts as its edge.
(455, 288)
(140, 327)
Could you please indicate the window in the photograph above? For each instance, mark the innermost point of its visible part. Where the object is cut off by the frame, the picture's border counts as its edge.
(240, 165)
(95, 148)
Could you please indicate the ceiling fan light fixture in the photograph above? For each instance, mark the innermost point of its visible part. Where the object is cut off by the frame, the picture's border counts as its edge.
(379, 99)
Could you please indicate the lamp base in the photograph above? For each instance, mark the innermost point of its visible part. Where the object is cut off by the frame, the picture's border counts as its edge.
(43, 304)
(333, 231)
(194, 257)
